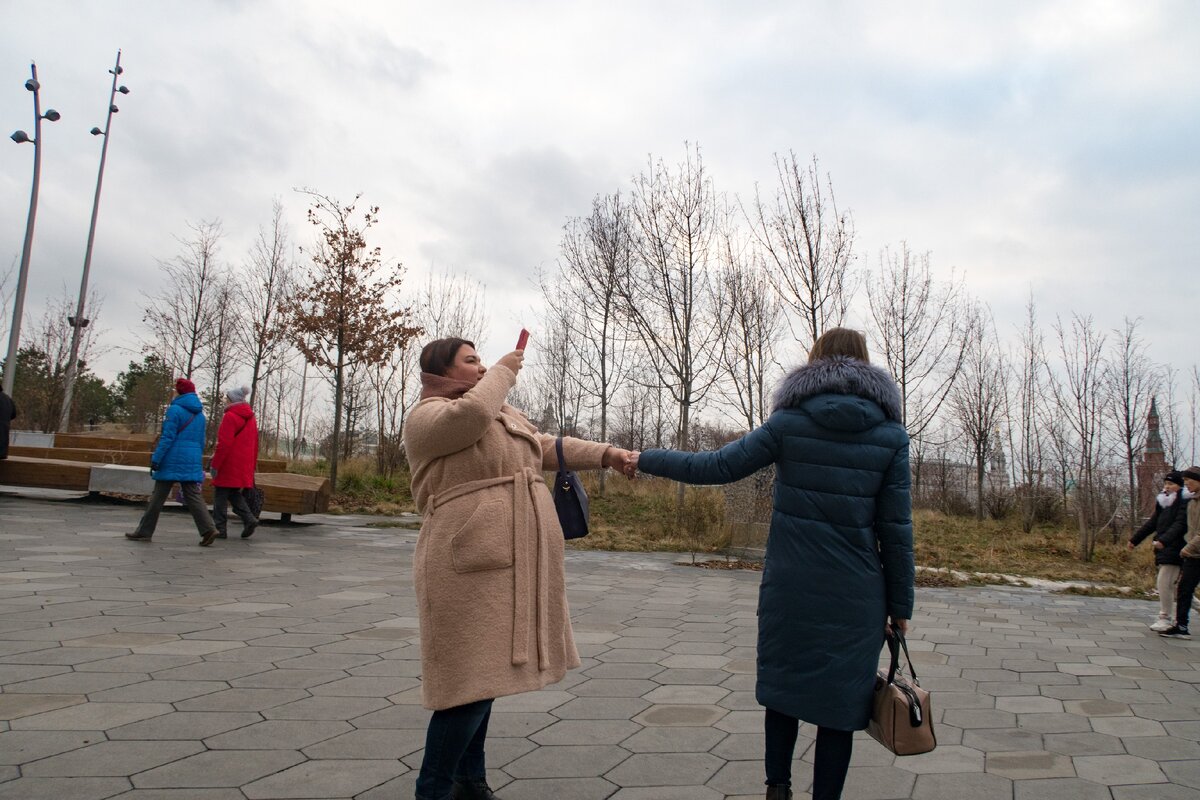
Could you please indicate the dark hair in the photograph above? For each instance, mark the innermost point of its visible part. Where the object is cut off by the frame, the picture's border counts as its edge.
(845, 342)
(438, 356)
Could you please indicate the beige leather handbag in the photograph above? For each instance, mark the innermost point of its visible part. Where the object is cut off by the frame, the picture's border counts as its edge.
(901, 718)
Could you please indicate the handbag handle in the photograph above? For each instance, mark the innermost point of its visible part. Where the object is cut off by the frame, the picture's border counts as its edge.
(562, 463)
(895, 643)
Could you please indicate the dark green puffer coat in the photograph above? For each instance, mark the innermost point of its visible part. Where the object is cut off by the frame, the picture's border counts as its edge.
(839, 557)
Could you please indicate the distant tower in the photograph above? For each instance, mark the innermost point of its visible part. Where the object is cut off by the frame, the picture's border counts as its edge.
(1152, 467)
(997, 463)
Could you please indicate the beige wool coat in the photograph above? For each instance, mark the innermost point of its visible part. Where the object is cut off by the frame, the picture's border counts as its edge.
(488, 566)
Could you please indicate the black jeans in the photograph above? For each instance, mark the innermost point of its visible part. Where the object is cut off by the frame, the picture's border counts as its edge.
(191, 498)
(832, 758)
(1189, 579)
(454, 749)
(225, 495)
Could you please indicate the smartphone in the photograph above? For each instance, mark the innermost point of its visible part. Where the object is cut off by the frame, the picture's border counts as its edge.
(523, 339)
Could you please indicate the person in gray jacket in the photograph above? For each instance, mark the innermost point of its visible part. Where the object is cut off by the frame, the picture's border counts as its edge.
(839, 569)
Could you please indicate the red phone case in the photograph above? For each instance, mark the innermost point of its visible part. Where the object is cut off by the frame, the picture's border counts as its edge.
(523, 339)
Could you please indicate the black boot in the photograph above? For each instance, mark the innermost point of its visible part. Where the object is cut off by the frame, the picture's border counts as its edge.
(779, 791)
(472, 790)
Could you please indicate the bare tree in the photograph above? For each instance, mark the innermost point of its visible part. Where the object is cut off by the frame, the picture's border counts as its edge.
(597, 256)
(747, 300)
(453, 304)
(1027, 438)
(810, 245)
(220, 355)
(261, 294)
(1080, 402)
(922, 327)
(1171, 421)
(559, 378)
(978, 398)
(180, 315)
(346, 313)
(7, 289)
(1129, 384)
(668, 297)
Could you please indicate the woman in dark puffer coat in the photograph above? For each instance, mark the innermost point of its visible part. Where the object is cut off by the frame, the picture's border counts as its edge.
(839, 559)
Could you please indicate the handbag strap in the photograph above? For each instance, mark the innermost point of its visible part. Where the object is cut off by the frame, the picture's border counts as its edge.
(558, 449)
(895, 643)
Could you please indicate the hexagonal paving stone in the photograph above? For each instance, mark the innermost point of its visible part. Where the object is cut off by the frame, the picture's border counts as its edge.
(92, 716)
(1024, 765)
(62, 788)
(567, 761)
(1119, 770)
(600, 708)
(680, 715)
(111, 759)
(1128, 726)
(586, 731)
(673, 740)
(217, 768)
(959, 787)
(374, 744)
(1186, 773)
(878, 783)
(185, 725)
(278, 735)
(322, 779)
(601, 687)
(666, 769)
(944, 759)
(24, 747)
(1084, 744)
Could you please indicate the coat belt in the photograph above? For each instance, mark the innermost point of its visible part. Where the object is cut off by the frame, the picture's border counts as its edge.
(530, 569)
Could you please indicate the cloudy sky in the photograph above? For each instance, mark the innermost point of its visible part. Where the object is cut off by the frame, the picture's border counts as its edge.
(1032, 146)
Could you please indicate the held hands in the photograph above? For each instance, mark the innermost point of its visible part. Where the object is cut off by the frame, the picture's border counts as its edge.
(624, 461)
(513, 361)
(899, 624)
(1158, 545)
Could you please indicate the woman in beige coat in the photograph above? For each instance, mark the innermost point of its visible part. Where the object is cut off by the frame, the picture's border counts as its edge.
(488, 567)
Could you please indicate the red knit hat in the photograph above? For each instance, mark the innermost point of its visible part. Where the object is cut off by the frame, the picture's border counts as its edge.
(184, 386)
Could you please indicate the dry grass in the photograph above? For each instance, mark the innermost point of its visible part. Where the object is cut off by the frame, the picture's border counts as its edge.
(641, 516)
(1000, 546)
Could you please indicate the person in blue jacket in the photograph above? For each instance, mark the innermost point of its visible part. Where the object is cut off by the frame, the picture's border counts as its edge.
(838, 570)
(179, 458)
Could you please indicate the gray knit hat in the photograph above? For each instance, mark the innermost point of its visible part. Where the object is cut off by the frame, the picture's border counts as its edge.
(238, 394)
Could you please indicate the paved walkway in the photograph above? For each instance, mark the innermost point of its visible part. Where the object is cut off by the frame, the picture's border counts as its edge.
(286, 666)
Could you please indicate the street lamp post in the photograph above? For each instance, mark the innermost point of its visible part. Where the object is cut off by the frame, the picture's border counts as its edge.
(21, 137)
(79, 322)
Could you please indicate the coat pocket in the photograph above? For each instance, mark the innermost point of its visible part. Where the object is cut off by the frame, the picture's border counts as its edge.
(485, 541)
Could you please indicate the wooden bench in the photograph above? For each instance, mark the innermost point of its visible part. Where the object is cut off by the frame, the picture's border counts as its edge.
(283, 492)
(130, 458)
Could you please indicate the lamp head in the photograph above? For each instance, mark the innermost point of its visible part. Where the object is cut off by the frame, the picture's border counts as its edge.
(123, 89)
(113, 108)
(96, 131)
(20, 137)
(52, 115)
(32, 85)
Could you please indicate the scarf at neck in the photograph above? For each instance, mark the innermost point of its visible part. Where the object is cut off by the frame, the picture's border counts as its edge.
(441, 386)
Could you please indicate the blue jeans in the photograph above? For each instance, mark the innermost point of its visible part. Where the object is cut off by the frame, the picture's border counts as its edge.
(454, 749)
(830, 764)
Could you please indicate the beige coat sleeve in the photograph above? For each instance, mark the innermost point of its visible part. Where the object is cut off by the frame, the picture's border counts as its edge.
(439, 427)
(579, 453)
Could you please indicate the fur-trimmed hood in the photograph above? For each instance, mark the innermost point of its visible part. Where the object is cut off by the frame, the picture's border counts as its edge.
(840, 375)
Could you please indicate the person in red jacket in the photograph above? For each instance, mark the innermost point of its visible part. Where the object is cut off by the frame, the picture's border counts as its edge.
(234, 461)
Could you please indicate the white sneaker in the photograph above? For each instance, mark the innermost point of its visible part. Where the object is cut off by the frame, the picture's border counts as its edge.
(1161, 624)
